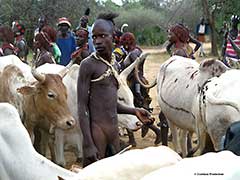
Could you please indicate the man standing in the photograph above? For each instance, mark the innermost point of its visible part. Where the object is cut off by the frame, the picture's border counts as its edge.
(97, 96)
(201, 31)
(65, 40)
(85, 25)
(20, 41)
(42, 21)
(234, 34)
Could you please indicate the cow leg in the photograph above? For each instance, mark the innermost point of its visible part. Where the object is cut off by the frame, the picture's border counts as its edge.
(216, 136)
(31, 134)
(37, 140)
(79, 153)
(175, 141)
(78, 142)
(51, 140)
(208, 145)
(131, 137)
(164, 129)
(202, 141)
(189, 141)
(183, 142)
(44, 142)
(59, 147)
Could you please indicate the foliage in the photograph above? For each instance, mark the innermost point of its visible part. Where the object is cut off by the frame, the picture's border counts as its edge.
(151, 36)
(148, 20)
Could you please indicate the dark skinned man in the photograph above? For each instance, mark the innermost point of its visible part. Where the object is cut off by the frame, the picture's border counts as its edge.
(97, 96)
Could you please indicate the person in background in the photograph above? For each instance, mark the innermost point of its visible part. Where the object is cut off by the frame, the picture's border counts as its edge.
(84, 24)
(82, 46)
(201, 30)
(141, 94)
(42, 45)
(20, 42)
(54, 49)
(65, 40)
(42, 21)
(7, 39)
(97, 88)
(173, 44)
(178, 36)
(234, 34)
(119, 51)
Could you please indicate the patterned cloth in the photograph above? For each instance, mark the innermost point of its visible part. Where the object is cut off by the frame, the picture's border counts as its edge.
(230, 52)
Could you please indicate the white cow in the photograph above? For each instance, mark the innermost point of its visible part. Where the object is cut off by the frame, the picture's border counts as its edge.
(181, 85)
(18, 159)
(131, 165)
(219, 106)
(73, 137)
(12, 59)
(211, 166)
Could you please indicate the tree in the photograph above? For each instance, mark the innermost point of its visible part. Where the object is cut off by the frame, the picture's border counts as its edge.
(210, 14)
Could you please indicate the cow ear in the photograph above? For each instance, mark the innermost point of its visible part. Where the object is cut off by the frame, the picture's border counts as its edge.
(26, 90)
(213, 67)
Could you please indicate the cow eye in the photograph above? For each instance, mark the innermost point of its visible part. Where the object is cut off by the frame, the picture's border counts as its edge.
(51, 95)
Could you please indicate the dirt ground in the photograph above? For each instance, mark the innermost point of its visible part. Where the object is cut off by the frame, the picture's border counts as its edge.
(151, 67)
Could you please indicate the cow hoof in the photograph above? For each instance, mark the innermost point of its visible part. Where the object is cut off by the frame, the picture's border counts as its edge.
(144, 130)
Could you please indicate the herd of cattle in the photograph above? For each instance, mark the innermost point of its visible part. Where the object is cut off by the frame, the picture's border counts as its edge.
(195, 98)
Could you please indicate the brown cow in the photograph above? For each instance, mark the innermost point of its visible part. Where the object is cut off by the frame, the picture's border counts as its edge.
(38, 102)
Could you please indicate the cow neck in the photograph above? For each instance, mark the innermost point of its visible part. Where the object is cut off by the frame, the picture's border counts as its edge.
(35, 105)
(110, 71)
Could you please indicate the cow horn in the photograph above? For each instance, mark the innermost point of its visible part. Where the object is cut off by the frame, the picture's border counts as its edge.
(235, 47)
(64, 71)
(123, 26)
(139, 60)
(38, 76)
(124, 74)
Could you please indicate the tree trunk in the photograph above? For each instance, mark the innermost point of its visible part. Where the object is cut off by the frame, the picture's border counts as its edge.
(211, 19)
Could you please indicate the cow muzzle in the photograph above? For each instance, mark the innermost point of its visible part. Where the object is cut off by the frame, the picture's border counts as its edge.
(67, 123)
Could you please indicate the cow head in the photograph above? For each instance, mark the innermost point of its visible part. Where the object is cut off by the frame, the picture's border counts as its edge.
(125, 97)
(211, 68)
(47, 98)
